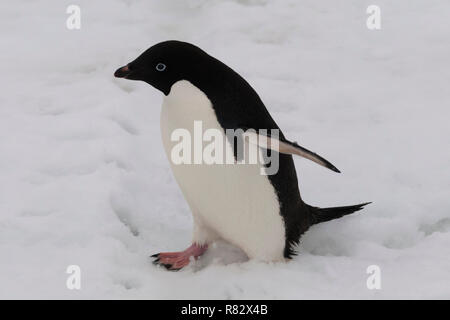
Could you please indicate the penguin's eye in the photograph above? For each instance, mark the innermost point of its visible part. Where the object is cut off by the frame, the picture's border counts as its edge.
(160, 67)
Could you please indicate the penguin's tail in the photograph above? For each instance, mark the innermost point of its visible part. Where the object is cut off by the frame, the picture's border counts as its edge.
(319, 215)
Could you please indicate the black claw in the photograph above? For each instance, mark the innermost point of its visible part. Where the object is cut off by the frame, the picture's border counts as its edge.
(157, 262)
(168, 266)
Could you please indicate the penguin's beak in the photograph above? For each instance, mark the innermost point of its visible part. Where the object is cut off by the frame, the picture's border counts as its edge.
(122, 72)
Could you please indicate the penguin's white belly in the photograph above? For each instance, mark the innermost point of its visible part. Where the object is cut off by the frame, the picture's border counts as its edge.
(230, 201)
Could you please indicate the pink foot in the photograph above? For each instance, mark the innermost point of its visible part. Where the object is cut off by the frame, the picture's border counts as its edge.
(177, 260)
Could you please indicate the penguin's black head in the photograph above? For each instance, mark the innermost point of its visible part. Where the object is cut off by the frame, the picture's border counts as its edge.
(164, 64)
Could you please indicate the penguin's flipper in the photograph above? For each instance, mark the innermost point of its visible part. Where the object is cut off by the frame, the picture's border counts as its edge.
(287, 147)
(293, 148)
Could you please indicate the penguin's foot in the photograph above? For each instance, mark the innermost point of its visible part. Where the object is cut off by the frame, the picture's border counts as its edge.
(176, 260)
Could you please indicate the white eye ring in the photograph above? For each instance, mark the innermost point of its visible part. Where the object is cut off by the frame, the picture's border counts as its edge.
(160, 67)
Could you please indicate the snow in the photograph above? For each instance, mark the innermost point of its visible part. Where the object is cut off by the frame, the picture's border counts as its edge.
(84, 179)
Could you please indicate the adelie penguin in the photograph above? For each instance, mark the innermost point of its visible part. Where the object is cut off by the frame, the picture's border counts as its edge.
(264, 215)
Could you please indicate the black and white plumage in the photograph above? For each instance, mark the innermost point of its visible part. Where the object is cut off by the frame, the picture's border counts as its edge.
(262, 214)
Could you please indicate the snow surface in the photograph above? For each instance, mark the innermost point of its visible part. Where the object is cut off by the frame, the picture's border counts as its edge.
(84, 179)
